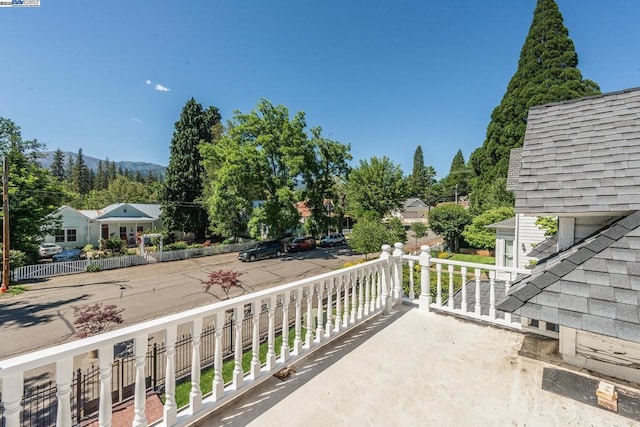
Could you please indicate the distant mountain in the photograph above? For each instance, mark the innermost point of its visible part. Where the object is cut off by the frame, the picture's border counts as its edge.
(92, 163)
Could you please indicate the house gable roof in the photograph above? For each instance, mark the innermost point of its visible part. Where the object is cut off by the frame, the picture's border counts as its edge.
(509, 223)
(413, 202)
(593, 286)
(129, 210)
(580, 156)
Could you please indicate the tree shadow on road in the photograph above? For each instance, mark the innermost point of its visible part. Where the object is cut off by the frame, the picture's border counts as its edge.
(21, 313)
(319, 253)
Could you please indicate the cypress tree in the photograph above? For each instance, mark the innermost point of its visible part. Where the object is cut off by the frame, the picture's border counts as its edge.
(183, 185)
(547, 72)
(417, 180)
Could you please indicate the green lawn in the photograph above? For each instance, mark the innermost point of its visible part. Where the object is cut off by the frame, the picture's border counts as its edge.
(206, 380)
(15, 290)
(474, 258)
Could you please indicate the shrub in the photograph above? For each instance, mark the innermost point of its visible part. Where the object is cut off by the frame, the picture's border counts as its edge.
(176, 246)
(114, 244)
(225, 279)
(93, 319)
(88, 248)
(93, 268)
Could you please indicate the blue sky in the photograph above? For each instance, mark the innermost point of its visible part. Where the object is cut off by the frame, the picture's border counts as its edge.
(111, 77)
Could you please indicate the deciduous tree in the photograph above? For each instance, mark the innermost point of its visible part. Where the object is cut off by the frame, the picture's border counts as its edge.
(478, 235)
(449, 221)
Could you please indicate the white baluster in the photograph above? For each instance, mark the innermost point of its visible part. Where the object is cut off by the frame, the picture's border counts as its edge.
(439, 285)
(238, 372)
(284, 349)
(217, 388)
(140, 398)
(297, 341)
(464, 289)
(387, 280)
(338, 323)
(361, 285)
(105, 362)
(345, 313)
(320, 314)
(329, 327)
(354, 297)
(492, 295)
(12, 387)
(365, 296)
(309, 323)
(271, 335)
(379, 288)
(478, 307)
(425, 277)
(170, 407)
(195, 396)
(256, 307)
(450, 298)
(412, 292)
(398, 291)
(507, 286)
(64, 376)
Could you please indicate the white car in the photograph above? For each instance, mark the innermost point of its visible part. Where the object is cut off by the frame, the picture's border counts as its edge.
(333, 239)
(47, 250)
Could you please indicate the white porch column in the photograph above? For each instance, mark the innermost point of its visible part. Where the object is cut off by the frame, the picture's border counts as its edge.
(387, 280)
(140, 399)
(195, 396)
(12, 387)
(425, 277)
(105, 361)
(64, 376)
(397, 272)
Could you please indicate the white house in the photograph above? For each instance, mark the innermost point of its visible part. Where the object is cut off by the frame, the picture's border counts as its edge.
(580, 161)
(413, 210)
(125, 220)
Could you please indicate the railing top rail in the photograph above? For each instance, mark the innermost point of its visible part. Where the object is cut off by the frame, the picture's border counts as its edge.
(49, 355)
(474, 265)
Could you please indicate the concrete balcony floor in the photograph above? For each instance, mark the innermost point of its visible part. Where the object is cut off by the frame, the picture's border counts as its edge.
(412, 368)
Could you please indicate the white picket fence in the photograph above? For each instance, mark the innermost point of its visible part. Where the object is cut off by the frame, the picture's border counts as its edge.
(50, 269)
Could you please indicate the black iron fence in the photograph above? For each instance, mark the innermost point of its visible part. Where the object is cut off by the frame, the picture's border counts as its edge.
(39, 402)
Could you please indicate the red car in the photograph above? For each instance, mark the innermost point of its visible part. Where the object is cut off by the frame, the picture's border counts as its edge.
(301, 244)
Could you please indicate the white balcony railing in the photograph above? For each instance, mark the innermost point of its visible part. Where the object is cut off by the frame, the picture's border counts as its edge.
(325, 307)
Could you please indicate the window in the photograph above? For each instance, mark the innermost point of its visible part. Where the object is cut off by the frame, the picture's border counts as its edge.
(72, 235)
(66, 235)
(59, 236)
(508, 253)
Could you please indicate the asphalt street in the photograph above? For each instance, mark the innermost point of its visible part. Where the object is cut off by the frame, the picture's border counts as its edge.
(43, 316)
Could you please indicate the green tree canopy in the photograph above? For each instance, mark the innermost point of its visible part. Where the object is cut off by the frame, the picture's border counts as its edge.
(182, 193)
(478, 235)
(547, 72)
(34, 194)
(367, 236)
(376, 186)
(457, 182)
(449, 221)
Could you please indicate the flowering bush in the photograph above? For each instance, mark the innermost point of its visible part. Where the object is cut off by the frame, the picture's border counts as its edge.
(93, 319)
(225, 279)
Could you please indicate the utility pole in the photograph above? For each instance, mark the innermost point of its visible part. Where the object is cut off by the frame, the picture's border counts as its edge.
(6, 271)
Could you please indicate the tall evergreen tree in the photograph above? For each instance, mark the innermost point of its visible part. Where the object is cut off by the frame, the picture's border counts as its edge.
(80, 176)
(181, 197)
(457, 182)
(547, 72)
(418, 179)
(57, 165)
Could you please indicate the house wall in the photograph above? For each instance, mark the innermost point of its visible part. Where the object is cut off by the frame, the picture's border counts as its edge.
(609, 356)
(586, 226)
(529, 234)
(71, 220)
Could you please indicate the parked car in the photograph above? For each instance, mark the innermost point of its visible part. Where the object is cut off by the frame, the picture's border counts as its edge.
(68, 255)
(301, 244)
(333, 239)
(47, 250)
(262, 250)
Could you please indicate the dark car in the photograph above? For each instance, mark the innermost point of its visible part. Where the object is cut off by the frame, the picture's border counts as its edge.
(262, 250)
(68, 255)
(301, 244)
(333, 239)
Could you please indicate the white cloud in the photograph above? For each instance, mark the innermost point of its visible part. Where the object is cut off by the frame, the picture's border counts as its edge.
(133, 119)
(148, 82)
(161, 88)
